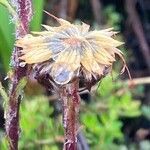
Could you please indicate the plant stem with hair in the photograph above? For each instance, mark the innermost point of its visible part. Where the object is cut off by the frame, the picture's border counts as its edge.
(69, 96)
(24, 12)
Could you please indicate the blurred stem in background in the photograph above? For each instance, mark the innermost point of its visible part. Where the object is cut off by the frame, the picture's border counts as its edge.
(137, 27)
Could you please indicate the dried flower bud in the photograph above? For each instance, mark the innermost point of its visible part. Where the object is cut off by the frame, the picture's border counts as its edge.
(70, 51)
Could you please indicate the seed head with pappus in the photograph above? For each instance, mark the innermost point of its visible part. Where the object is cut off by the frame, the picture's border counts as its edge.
(71, 51)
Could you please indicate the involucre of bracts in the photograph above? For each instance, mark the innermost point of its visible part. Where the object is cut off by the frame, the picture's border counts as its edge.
(70, 51)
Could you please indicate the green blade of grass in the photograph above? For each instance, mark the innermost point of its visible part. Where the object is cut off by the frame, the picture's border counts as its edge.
(6, 37)
(37, 15)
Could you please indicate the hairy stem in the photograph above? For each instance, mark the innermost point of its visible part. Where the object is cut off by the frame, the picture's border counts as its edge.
(71, 100)
(23, 12)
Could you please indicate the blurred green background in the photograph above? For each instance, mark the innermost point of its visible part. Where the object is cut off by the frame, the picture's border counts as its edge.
(115, 116)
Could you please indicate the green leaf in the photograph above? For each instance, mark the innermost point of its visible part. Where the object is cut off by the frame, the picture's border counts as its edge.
(3, 93)
(146, 111)
(6, 37)
(37, 15)
(21, 85)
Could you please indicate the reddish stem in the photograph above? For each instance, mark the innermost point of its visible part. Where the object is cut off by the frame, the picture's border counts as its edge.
(23, 9)
(71, 100)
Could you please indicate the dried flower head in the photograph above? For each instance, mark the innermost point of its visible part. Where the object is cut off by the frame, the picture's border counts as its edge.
(69, 51)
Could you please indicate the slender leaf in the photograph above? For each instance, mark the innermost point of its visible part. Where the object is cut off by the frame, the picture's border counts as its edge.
(6, 37)
(37, 16)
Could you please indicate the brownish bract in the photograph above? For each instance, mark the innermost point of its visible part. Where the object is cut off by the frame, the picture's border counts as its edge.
(70, 50)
